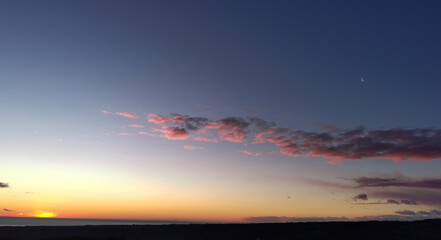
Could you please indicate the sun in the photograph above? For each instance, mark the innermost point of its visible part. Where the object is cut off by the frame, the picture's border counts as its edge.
(45, 214)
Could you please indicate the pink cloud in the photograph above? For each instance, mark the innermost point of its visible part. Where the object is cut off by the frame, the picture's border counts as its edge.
(179, 118)
(246, 152)
(230, 129)
(193, 148)
(173, 133)
(125, 134)
(127, 115)
(106, 112)
(204, 139)
(147, 134)
(158, 119)
(331, 143)
(136, 126)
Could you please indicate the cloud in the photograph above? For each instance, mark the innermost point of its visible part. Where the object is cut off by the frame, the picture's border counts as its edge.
(405, 212)
(402, 215)
(267, 153)
(147, 134)
(106, 112)
(204, 139)
(127, 115)
(356, 144)
(431, 213)
(420, 196)
(274, 219)
(434, 183)
(4, 185)
(336, 144)
(173, 133)
(246, 152)
(231, 129)
(125, 134)
(7, 210)
(390, 218)
(136, 125)
(361, 196)
(157, 119)
(391, 201)
(193, 148)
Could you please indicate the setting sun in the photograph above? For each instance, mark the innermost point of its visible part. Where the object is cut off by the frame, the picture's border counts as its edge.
(45, 214)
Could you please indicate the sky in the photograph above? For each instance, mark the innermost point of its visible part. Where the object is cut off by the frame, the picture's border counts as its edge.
(220, 111)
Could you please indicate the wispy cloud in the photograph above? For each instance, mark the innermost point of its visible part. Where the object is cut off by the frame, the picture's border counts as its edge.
(136, 125)
(389, 202)
(127, 115)
(405, 212)
(106, 112)
(147, 134)
(411, 196)
(7, 210)
(125, 134)
(267, 153)
(204, 139)
(246, 152)
(433, 212)
(193, 148)
(434, 183)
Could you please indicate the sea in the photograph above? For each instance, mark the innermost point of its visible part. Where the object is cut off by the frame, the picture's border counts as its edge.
(29, 221)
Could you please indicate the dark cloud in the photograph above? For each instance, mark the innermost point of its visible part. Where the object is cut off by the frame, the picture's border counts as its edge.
(361, 196)
(7, 210)
(390, 218)
(273, 219)
(411, 196)
(4, 185)
(405, 212)
(391, 182)
(431, 213)
(391, 201)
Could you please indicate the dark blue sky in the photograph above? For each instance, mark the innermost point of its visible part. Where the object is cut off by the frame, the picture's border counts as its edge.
(294, 63)
(305, 58)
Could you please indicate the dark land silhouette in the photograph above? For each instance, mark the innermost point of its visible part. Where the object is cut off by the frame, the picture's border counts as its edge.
(426, 229)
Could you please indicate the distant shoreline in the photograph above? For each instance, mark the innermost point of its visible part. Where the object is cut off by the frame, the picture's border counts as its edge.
(31, 221)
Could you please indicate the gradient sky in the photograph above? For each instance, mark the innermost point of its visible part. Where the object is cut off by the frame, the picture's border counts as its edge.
(248, 111)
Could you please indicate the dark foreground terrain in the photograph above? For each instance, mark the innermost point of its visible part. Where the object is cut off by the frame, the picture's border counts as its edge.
(428, 229)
